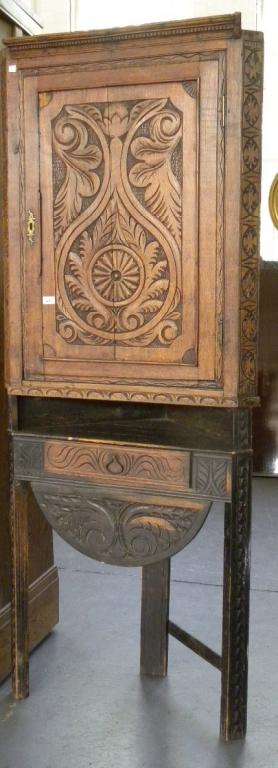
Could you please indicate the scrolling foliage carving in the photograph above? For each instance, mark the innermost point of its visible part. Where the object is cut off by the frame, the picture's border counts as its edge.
(119, 531)
(161, 468)
(250, 169)
(117, 174)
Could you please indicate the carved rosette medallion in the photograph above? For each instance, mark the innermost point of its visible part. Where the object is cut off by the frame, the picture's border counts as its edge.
(117, 276)
(117, 170)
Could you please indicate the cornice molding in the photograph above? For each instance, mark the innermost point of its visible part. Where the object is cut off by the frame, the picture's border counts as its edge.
(215, 26)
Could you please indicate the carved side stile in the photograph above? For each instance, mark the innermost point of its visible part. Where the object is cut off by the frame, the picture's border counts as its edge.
(250, 205)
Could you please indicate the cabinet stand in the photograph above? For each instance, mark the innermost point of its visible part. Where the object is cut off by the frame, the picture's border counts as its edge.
(150, 526)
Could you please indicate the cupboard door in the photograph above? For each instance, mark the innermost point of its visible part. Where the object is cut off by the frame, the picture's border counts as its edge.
(129, 201)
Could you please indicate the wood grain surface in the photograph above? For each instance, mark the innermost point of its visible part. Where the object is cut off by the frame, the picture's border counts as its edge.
(140, 188)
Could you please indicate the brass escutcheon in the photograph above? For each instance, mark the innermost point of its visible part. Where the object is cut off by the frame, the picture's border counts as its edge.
(30, 227)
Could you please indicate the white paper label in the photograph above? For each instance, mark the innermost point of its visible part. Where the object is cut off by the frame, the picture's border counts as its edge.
(48, 299)
(12, 67)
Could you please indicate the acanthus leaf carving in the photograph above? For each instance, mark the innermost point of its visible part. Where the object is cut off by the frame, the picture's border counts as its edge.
(153, 170)
(119, 286)
(81, 158)
(119, 531)
(113, 278)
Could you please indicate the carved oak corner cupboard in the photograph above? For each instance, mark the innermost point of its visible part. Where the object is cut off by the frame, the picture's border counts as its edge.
(133, 165)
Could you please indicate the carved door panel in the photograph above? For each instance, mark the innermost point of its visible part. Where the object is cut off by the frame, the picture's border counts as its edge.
(78, 323)
(129, 199)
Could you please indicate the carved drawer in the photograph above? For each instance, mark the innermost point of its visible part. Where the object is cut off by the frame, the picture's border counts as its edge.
(118, 502)
(141, 466)
(150, 468)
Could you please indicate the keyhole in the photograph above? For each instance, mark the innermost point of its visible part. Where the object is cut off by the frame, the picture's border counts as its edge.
(30, 226)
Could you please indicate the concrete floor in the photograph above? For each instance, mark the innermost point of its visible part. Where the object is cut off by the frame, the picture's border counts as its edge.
(88, 706)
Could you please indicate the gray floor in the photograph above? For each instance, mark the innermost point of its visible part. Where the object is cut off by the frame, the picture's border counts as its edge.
(88, 705)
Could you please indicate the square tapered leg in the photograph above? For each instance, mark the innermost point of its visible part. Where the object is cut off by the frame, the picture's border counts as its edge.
(236, 602)
(154, 618)
(19, 603)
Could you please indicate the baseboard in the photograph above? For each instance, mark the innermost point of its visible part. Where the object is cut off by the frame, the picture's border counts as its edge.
(43, 615)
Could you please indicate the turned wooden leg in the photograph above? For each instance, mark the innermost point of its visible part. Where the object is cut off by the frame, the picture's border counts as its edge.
(154, 618)
(236, 602)
(19, 600)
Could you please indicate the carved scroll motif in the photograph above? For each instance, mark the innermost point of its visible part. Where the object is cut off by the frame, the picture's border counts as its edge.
(119, 531)
(117, 171)
(250, 201)
(158, 468)
(104, 393)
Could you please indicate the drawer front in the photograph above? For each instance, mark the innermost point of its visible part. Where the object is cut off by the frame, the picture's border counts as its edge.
(149, 467)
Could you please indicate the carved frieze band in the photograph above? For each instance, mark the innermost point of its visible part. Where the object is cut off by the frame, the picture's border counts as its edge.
(118, 531)
(211, 475)
(183, 396)
(250, 202)
(152, 467)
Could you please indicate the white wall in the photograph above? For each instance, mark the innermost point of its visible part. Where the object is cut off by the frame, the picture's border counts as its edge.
(55, 15)
(269, 235)
(63, 15)
(110, 14)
